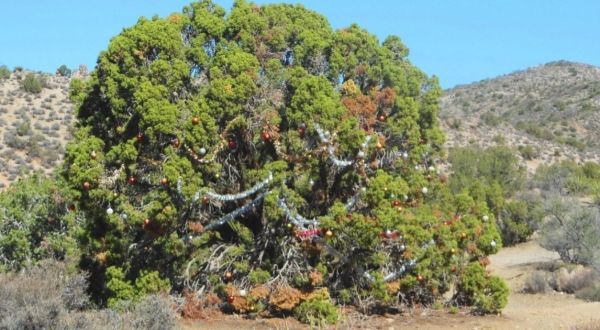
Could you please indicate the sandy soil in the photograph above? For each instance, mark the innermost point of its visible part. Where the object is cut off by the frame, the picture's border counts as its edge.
(524, 311)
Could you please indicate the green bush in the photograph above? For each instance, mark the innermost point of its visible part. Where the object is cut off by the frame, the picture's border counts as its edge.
(33, 83)
(34, 223)
(317, 311)
(528, 152)
(64, 71)
(488, 294)
(4, 72)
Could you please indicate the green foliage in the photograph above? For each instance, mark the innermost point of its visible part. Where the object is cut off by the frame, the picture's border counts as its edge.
(317, 311)
(64, 71)
(494, 176)
(4, 72)
(489, 293)
(34, 224)
(33, 83)
(147, 283)
(212, 102)
(259, 276)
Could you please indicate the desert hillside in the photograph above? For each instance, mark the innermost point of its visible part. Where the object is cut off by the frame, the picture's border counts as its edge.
(34, 127)
(553, 108)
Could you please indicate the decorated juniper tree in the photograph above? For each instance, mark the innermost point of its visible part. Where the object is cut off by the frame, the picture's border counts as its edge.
(261, 156)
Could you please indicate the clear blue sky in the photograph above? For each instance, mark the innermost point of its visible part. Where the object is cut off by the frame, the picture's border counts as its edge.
(460, 41)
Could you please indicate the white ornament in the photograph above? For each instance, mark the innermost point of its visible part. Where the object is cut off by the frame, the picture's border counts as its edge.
(388, 233)
(405, 198)
(363, 189)
(109, 210)
(361, 154)
(486, 218)
(311, 182)
(424, 190)
(202, 151)
(190, 237)
(123, 216)
(242, 292)
(417, 167)
(402, 247)
(405, 155)
(493, 244)
(431, 169)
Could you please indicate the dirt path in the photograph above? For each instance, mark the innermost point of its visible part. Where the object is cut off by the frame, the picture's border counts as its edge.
(524, 311)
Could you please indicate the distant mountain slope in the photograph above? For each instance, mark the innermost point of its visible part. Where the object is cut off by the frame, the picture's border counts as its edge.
(554, 108)
(34, 128)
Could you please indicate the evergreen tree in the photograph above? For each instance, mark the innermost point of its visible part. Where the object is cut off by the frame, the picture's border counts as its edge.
(261, 151)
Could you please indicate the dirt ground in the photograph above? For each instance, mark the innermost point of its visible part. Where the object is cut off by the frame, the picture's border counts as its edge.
(524, 311)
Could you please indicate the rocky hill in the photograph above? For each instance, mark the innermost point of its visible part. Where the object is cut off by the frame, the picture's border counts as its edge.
(549, 112)
(34, 127)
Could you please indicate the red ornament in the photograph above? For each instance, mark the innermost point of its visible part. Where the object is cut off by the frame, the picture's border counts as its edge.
(230, 299)
(146, 223)
(86, 185)
(72, 207)
(302, 131)
(175, 143)
(420, 278)
(204, 199)
(195, 121)
(140, 136)
(131, 180)
(266, 136)
(232, 144)
(396, 203)
(381, 118)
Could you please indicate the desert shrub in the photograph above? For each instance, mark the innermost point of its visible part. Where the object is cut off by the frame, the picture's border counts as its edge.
(572, 230)
(64, 71)
(52, 295)
(537, 282)
(590, 293)
(553, 178)
(4, 72)
(33, 298)
(33, 83)
(456, 124)
(520, 218)
(491, 120)
(571, 279)
(34, 224)
(528, 152)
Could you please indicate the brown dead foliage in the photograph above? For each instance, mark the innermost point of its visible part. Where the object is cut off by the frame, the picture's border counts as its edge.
(316, 278)
(260, 292)
(285, 298)
(200, 309)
